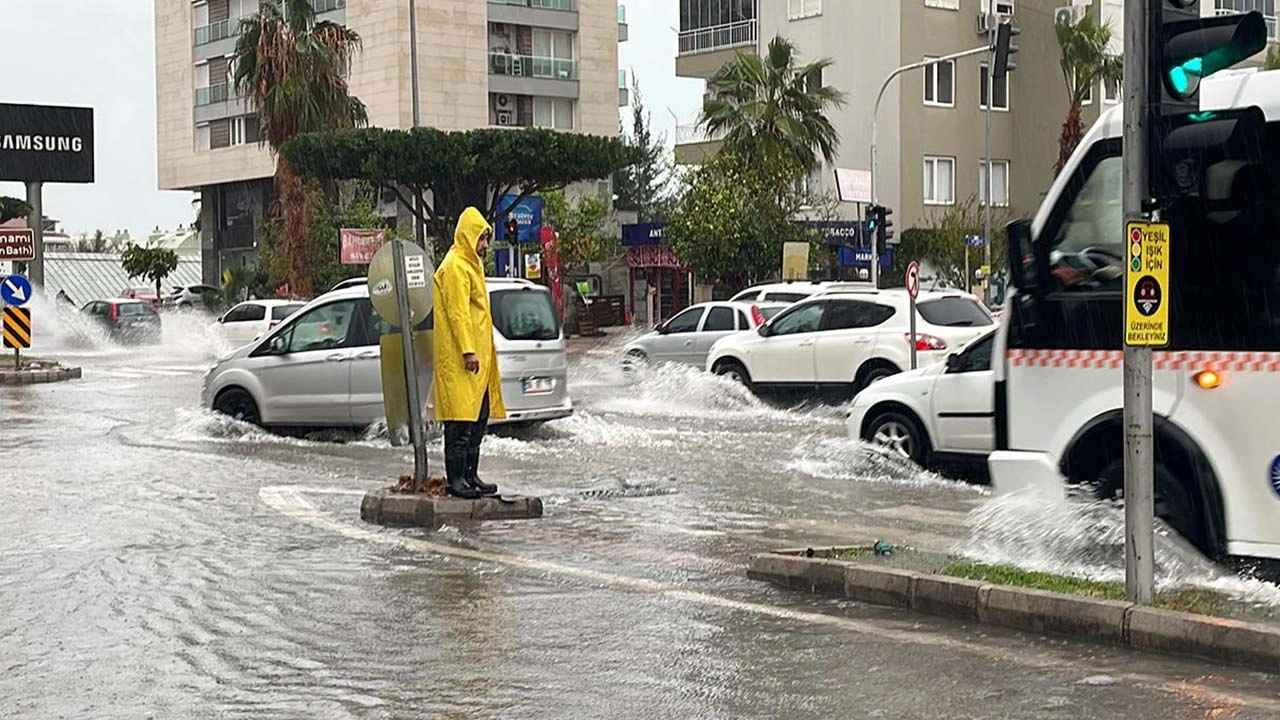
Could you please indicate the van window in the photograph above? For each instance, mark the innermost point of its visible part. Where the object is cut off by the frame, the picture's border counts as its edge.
(784, 297)
(524, 315)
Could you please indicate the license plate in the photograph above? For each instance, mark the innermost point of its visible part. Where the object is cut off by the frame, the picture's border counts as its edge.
(538, 386)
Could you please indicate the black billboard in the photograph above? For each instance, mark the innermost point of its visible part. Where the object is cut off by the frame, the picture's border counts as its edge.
(46, 143)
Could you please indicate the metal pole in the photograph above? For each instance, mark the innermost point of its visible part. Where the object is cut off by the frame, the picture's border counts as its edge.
(35, 221)
(913, 333)
(875, 116)
(419, 231)
(1139, 505)
(417, 431)
(986, 190)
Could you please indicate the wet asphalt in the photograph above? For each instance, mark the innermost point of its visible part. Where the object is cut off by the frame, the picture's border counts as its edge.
(159, 561)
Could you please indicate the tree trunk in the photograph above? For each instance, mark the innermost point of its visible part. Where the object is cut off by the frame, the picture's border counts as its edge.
(291, 201)
(1072, 133)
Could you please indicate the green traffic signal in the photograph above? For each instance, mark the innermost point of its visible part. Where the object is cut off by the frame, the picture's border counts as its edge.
(1195, 50)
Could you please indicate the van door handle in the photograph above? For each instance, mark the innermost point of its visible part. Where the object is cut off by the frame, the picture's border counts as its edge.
(688, 343)
(807, 343)
(369, 355)
(336, 358)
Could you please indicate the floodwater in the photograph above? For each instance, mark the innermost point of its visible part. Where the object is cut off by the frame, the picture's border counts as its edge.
(159, 561)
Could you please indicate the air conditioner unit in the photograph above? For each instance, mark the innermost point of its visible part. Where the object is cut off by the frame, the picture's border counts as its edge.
(506, 117)
(504, 102)
(1069, 15)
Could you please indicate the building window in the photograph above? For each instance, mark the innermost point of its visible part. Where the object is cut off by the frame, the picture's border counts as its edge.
(1088, 95)
(940, 84)
(1266, 7)
(999, 182)
(553, 54)
(797, 9)
(1003, 7)
(710, 24)
(553, 113)
(227, 132)
(939, 180)
(943, 4)
(984, 87)
(1111, 91)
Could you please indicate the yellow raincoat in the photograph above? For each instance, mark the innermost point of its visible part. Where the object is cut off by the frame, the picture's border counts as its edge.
(463, 324)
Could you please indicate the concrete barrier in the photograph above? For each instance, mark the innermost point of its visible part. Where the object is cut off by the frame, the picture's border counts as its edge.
(38, 377)
(384, 507)
(1224, 640)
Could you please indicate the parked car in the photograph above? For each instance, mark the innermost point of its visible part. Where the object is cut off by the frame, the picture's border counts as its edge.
(141, 292)
(780, 292)
(204, 297)
(125, 320)
(321, 366)
(250, 320)
(688, 337)
(837, 344)
(942, 413)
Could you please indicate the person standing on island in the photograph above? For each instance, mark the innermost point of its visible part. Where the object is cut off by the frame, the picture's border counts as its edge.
(468, 388)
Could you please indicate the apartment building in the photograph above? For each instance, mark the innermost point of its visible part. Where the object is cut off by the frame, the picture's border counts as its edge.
(931, 134)
(500, 63)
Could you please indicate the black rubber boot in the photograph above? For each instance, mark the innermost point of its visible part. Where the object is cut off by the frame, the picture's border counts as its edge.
(455, 466)
(473, 475)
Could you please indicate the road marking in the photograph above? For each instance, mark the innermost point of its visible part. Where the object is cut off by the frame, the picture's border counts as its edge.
(288, 501)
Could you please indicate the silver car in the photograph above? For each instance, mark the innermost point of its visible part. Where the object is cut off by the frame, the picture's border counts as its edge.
(688, 337)
(321, 367)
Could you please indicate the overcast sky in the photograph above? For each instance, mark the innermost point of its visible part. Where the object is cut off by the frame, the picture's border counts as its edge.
(101, 54)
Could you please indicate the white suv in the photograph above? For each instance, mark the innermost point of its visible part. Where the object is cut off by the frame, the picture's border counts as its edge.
(839, 343)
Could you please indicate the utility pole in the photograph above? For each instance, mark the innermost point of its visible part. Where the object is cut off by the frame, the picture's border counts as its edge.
(986, 189)
(875, 115)
(35, 221)
(419, 231)
(1139, 461)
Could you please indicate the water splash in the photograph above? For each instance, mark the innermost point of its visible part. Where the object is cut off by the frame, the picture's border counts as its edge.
(671, 390)
(1086, 539)
(854, 460)
(61, 329)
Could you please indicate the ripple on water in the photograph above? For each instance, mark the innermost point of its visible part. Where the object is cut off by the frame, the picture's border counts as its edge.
(849, 459)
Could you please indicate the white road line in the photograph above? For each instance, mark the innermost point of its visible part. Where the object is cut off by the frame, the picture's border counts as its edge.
(288, 501)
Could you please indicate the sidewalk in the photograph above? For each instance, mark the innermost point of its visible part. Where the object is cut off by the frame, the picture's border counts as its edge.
(577, 345)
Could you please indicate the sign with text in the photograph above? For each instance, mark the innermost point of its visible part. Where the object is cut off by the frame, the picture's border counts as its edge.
(17, 244)
(528, 214)
(359, 246)
(1146, 313)
(853, 185)
(46, 143)
(795, 261)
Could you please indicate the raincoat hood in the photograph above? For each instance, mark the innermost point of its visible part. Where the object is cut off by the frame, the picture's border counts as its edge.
(467, 234)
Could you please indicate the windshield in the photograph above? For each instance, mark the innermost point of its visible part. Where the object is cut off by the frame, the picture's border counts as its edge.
(280, 312)
(524, 315)
(954, 312)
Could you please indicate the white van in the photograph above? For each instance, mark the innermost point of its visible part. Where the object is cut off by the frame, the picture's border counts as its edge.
(322, 366)
(1058, 371)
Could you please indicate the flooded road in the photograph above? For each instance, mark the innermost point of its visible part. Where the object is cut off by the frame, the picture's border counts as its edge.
(159, 561)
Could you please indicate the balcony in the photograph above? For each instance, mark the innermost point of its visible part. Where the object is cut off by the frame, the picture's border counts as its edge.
(219, 38)
(694, 144)
(624, 30)
(703, 51)
(217, 31)
(624, 93)
(532, 66)
(324, 6)
(562, 5)
(215, 94)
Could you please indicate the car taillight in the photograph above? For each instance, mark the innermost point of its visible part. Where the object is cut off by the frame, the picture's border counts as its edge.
(758, 317)
(272, 324)
(115, 313)
(926, 342)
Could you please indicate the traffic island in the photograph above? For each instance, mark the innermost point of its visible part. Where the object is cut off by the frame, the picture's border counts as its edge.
(1075, 607)
(35, 372)
(390, 506)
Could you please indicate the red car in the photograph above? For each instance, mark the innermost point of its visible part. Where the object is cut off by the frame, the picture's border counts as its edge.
(142, 293)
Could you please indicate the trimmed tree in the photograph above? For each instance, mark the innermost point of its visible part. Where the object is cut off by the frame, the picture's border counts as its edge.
(12, 207)
(154, 264)
(458, 169)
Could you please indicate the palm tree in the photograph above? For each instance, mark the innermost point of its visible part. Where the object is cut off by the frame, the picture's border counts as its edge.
(1085, 63)
(770, 107)
(294, 69)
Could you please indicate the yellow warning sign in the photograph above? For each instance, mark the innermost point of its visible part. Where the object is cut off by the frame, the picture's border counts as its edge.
(1146, 313)
(17, 327)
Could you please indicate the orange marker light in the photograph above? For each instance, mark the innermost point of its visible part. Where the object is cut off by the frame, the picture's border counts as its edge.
(1208, 379)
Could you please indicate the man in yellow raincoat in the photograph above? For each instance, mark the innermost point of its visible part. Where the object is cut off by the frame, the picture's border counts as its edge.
(468, 389)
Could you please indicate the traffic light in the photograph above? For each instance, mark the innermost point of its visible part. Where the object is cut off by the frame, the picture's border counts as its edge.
(1184, 48)
(879, 228)
(1001, 66)
(512, 231)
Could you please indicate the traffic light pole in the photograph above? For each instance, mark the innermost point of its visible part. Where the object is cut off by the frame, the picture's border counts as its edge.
(1139, 461)
(875, 115)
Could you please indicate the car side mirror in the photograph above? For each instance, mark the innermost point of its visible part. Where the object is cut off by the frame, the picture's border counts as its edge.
(663, 329)
(764, 331)
(280, 345)
(955, 362)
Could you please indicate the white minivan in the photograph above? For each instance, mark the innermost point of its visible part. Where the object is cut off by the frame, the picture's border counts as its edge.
(322, 366)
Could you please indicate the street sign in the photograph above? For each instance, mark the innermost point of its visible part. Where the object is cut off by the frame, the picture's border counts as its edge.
(795, 261)
(357, 247)
(15, 290)
(974, 241)
(17, 328)
(17, 244)
(382, 284)
(913, 279)
(853, 185)
(1146, 317)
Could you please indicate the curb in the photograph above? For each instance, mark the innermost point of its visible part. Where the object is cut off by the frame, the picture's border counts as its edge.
(1234, 642)
(38, 377)
(383, 507)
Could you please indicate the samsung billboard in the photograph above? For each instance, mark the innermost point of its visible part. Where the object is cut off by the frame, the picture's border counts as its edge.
(46, 143)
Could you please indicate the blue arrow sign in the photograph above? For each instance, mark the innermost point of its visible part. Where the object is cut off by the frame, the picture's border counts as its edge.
(15, 290)
(974, 241)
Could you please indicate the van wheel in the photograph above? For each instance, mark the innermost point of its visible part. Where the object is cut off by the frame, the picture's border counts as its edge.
(1173, 503)
(237, 404)
(900, 433)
